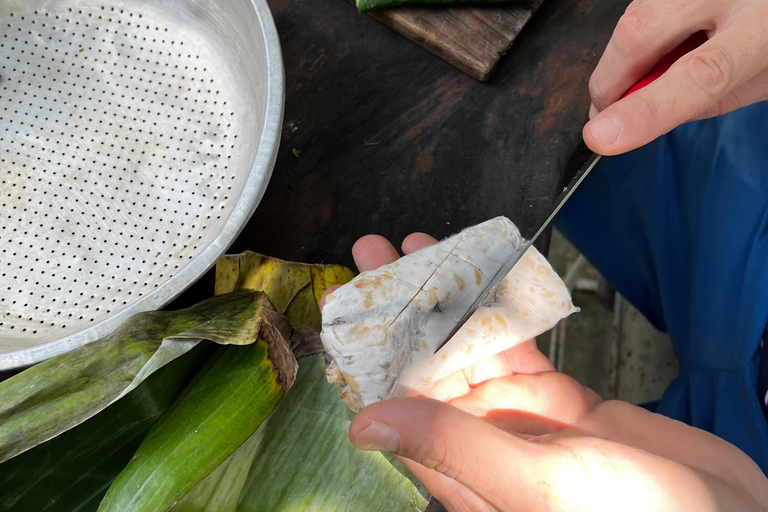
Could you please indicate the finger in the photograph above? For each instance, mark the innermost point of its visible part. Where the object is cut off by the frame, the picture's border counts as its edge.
(373, 251)
(416, 241)
(645, 32)
(458, 445)
(592, 110)
(453, 386)
(455, 496)
(522, 358)
(692, 85)
(752, 91)
(551, 396)
(527, 425)
(326, 293)
(581, 473)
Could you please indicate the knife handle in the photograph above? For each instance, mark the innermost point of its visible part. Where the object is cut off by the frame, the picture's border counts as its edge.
(667, 60)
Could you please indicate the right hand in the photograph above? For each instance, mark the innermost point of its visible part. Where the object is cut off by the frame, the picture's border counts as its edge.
(513, 434)
(727, 72)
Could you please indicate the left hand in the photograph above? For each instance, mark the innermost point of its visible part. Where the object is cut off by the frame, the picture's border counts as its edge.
(513, 434)
(373, 251)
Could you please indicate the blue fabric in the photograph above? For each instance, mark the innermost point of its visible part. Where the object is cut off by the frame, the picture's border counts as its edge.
(762, 375)
(680, 227)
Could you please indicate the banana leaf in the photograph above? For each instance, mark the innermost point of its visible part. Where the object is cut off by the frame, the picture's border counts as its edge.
(72, 400)
(300, 459)
(72, 471)
(52, 397)
(295, 288)
(220, 491)
(68, 473)
(318, 469)
(228, 399)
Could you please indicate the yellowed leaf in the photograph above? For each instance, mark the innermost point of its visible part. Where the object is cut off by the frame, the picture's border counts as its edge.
(295, 288)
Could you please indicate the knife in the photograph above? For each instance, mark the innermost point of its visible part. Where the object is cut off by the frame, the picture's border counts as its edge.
(662, 66)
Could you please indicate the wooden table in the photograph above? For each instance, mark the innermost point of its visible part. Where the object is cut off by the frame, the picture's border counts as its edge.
(392, 139)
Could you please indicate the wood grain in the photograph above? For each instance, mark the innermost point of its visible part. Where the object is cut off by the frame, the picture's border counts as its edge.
(473, 39)
(393, 140)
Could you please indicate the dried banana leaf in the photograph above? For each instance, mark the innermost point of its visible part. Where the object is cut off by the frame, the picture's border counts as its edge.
(52, 397)
(72, 471)
(295, 288)
(223, 405)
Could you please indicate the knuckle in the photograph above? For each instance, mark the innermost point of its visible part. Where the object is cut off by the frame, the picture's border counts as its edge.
(710, 70)
(596, 89)
(436, 455)
(642, 109)
(632, 28)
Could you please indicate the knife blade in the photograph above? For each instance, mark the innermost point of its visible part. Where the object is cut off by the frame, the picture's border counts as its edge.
(663, 65)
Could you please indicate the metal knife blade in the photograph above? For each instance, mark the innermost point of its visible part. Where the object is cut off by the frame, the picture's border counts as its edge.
(690, 44)
(494, 283)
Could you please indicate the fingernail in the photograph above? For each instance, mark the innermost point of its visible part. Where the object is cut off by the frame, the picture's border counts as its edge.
(592, 110)
(378, 437)
(606, 129)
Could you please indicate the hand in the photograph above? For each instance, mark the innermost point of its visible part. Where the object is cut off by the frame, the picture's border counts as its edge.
(729, 71)
(515, 435)
(373, 251)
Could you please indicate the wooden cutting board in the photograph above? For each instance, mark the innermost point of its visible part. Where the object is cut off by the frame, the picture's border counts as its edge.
(471, 38)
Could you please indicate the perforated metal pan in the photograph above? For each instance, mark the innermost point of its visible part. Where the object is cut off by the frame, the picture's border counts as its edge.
(136, 139)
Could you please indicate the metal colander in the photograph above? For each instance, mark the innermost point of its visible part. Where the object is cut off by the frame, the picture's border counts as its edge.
(136, 139)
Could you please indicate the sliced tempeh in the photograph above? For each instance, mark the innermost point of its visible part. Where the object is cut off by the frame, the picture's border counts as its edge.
(384, 326)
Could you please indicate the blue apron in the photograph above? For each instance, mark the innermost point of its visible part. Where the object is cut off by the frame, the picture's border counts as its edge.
(680, 227)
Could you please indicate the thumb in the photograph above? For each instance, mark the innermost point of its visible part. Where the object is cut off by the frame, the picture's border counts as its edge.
(456, 444)
(690, 88)
(326, 293)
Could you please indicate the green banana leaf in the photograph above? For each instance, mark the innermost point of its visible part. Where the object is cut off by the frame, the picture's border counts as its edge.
(319, 469)
(72, 471)
(298, 459)
(220, 491)
(52, 397)
(301, 460)
(91, 433)
(223, 405)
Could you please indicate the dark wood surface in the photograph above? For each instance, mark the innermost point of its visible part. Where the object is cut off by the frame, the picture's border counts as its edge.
(472, 39)
(392, 139)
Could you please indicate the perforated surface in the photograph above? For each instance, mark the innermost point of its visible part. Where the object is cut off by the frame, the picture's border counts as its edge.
(119, 161)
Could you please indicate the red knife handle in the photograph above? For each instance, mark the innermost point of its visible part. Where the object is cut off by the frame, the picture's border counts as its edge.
(667, 60)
